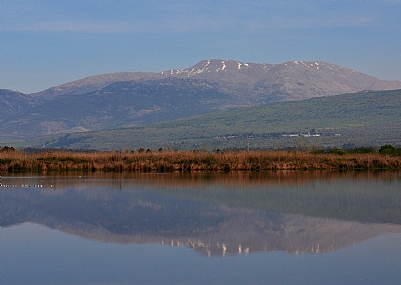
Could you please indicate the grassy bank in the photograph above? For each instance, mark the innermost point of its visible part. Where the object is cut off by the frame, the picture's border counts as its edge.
(186, 161)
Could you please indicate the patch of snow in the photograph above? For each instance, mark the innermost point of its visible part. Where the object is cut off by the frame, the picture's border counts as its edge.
(224, 65)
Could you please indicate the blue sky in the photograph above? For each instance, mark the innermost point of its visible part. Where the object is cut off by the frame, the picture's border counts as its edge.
(48, 43)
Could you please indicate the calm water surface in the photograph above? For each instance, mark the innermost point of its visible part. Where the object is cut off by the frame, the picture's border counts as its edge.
(237, 228)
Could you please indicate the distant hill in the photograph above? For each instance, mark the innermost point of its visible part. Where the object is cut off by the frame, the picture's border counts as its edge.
(123, 99)
(92, 83)
(120, 104)
(359, 119)
(13, 103)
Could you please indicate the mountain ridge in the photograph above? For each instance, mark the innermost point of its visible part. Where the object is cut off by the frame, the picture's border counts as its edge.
(123, 99)
(360, 119)
(225, 67)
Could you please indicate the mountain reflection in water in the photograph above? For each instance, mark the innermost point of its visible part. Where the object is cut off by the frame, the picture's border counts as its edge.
(216, 214)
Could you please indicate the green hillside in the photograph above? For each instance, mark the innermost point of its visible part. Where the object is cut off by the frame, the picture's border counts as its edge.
(360, 119)
(120, 104)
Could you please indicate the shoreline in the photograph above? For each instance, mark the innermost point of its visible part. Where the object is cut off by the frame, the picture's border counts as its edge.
(192, 161)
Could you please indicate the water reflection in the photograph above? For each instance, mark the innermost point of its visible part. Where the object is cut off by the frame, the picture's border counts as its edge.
(215, 214)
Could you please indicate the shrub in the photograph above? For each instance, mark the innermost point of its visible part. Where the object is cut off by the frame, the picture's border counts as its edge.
(337, 151)
(388, 149)
(7, 149)
(364, 149)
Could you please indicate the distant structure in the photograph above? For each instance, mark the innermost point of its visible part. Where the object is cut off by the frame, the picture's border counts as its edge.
(311, 133)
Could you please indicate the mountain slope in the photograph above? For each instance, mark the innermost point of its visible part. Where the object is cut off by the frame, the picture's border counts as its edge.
(120, 104)
(138, 98)
(91, 83)
(12, 103)
(293, 80)
(361, 119)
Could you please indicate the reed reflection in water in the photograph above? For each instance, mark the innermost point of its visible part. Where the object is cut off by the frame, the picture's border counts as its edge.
(158, 228)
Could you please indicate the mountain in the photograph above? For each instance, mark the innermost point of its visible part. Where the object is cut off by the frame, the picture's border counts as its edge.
(359, 119)
(92, 83)
(255, 82)
(13, 103)
(124, 99)
(119, 104)
(293, 80)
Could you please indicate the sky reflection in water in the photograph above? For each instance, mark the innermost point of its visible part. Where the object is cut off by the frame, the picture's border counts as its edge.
(110, 229)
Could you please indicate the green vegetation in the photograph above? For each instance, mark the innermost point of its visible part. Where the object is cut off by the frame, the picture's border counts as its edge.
(388, 149)
(118, 105)
(361, 119)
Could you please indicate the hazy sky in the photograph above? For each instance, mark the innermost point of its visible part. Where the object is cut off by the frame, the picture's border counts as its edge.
(48, 43)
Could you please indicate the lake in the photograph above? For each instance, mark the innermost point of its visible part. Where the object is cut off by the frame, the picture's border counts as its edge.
(284, 227)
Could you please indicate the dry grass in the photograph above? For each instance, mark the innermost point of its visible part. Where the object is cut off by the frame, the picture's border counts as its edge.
(187, 161)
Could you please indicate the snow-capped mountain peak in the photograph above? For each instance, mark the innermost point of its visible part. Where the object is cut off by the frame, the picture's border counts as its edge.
(210, 66)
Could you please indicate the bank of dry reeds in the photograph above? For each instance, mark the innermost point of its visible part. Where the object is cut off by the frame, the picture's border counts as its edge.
(186, 161)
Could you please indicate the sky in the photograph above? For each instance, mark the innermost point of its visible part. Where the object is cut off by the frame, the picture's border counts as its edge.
(49, 43)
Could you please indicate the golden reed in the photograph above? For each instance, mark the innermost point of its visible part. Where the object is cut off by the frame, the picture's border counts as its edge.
(187, 161)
